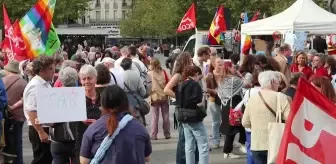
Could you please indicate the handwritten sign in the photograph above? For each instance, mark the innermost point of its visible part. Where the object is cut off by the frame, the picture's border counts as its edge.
(61, 104)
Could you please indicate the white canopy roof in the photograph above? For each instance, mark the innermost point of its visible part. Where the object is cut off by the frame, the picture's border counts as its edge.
(303, 15)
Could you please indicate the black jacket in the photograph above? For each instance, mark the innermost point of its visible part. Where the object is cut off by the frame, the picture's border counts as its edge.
(189, 95)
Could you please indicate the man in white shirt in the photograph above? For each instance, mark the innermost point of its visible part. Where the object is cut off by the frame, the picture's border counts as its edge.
(116, 74)
(124, 54)
(44, 68)
(203, 55)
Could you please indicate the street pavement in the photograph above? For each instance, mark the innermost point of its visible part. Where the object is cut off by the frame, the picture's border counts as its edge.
(164, 151)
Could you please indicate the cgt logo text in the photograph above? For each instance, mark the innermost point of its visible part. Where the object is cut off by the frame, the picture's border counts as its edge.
(186, 24)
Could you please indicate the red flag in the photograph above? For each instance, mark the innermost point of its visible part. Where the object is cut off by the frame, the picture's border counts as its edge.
(256, 16)
(188, 21)
(13, 44)
(217, 26)
(310, 133)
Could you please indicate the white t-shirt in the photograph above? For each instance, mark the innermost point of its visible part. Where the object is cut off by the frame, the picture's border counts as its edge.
(29, 95)
(118, 74)
(250, 92)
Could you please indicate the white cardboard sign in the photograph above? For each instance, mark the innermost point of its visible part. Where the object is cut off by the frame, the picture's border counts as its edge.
(65, 104)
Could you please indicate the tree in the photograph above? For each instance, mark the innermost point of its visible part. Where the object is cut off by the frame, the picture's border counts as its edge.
(154, 18)
(64, 10)
(162, 17)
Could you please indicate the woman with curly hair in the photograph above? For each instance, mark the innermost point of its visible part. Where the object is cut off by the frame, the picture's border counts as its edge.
(300, 64)
(183, 61)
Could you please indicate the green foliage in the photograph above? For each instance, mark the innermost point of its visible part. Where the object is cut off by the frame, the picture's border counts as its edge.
(162, 17)
(64, 10)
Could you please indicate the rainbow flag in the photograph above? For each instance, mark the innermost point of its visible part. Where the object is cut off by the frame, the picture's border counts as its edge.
(247, 45)
(38, 31)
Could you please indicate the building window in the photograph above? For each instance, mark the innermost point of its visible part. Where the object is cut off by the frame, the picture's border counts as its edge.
(115, 5)
(107, 5)
(115, 14)
(97, 3)
(123, 14)
(98, 16)
(107, 15)
(124, 4)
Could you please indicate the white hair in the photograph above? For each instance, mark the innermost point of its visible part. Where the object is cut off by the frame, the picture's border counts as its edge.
(265, 78)
(88, 70)
(68, 76)
(124, 50)
(68, 63)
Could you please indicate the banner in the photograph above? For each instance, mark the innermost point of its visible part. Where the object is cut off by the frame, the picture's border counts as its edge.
(188, 21)
(310, 133)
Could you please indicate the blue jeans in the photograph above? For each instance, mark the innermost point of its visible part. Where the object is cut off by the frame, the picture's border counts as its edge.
(13, 138)
(196, 132)
(248, 148)
(216, 121)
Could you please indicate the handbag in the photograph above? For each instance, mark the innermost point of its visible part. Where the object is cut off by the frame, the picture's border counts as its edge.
(235, 116)
(275, 131)
(186, 115)
(143, 106)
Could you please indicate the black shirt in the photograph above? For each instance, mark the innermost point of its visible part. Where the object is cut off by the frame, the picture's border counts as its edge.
(290, 92)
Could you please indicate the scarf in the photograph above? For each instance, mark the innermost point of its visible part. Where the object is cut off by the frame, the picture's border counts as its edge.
(105, 145)
(229, 87)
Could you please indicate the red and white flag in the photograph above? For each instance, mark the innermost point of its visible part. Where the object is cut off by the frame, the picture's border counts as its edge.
(188, 21)
(310, 133)
(13, 44)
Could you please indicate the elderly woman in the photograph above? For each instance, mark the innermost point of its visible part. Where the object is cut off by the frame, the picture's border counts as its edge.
(62, 136)
(66, 63)
(261, 109)
(88, 78)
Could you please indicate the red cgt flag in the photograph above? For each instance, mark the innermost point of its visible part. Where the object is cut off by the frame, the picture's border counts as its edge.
(188, 21)
(13, 44)
(310, 133)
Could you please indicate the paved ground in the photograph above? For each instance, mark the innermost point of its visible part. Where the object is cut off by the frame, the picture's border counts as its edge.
(163, 150)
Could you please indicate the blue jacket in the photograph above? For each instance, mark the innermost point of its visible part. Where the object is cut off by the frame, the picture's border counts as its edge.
(3, 98)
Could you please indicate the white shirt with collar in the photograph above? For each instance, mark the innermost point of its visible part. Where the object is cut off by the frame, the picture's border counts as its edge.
(29, 95)
(118, 74)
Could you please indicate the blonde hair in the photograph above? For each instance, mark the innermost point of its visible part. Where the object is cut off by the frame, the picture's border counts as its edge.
(305, 56)
(155, 65)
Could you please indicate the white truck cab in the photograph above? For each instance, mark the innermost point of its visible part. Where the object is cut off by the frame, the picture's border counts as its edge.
(200, 39)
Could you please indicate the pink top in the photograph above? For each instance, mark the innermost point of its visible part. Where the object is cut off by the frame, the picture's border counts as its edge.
(58, 83)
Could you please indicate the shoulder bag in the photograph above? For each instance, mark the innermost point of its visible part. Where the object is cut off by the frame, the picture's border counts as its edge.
(275, 131)
(235, 116)
(143, 106)
(186, 115)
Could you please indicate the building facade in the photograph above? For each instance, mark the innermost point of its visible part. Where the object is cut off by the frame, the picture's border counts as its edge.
(106, 12)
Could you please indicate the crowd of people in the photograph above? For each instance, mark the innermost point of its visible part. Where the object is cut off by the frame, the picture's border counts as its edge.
(120, 82)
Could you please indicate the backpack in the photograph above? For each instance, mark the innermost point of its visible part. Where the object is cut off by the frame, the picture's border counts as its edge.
(147, 80)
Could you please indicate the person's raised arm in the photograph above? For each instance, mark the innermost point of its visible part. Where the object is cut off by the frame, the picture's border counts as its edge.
(168, 90)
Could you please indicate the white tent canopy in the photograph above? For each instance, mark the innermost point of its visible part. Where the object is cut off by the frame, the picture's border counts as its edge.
(302, 16)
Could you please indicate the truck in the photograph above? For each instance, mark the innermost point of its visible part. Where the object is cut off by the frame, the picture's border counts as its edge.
(200, 39)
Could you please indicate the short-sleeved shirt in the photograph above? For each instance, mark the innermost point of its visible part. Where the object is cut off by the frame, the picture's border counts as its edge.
(131, 145)
(29, 95)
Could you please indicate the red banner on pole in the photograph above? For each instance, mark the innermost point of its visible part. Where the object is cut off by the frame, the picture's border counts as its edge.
(310, 133)
(188, 21)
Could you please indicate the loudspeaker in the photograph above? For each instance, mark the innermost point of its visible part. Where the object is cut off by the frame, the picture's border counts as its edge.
(228, 20)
